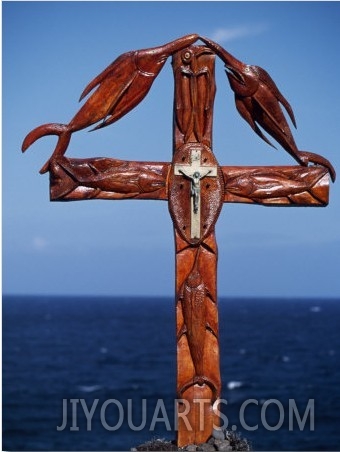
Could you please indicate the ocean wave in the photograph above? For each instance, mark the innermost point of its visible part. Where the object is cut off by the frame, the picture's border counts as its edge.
(90, 388)
(234, 385)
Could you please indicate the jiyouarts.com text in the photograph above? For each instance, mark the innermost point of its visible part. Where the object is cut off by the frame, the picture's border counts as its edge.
(140, 415)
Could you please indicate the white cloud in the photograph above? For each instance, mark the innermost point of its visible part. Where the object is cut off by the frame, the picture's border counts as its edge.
(232, 33)
(39, 243)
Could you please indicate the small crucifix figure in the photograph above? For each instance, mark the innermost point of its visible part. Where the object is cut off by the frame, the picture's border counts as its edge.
(194, 185)
(195, 172)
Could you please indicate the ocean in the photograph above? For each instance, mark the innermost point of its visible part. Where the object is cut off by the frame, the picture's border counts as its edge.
(114, 358)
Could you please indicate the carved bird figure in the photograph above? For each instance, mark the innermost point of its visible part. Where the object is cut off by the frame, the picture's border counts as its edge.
(119, 88)
(258, 100)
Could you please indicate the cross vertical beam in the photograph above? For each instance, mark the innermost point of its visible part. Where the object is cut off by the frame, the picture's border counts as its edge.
(195, 199)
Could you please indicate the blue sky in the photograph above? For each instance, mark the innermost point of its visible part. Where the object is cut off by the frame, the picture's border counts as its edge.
(51, 50)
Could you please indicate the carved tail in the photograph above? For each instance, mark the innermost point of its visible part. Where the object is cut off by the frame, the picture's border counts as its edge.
(318, 160)
(63, 132)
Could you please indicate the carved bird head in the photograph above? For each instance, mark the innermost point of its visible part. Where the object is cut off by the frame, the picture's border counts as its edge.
(152, 60)
(243, 78)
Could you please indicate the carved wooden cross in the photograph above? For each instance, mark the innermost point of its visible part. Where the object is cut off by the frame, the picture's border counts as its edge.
(195, 186)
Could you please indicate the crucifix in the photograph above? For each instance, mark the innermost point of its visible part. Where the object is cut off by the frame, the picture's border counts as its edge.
(195, 172)
(194, 185)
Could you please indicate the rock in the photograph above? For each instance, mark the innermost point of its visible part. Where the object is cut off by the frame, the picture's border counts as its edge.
(191, 447)
(231, 441)
(218, 434)
(223, 446)
(206, 447)
(158, 445)
(237, 442)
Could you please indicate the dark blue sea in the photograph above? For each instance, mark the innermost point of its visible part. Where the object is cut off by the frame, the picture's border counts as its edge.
(280, 361)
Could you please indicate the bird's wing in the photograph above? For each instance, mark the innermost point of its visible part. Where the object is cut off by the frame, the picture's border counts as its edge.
(269, 82)
(114, 69)
(248, 115)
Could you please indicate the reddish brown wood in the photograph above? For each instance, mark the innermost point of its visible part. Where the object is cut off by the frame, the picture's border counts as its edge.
(277, 185)
(198, 360)
(212, 193)
(193, 183)
(259, 102)
(198, 367)
(117, 90)
(105, 178)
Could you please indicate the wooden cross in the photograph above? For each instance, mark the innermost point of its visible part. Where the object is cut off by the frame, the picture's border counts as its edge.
(195, 186)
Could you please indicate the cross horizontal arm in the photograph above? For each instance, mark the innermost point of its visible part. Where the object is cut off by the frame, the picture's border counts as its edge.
(277, 185)
(106, 178)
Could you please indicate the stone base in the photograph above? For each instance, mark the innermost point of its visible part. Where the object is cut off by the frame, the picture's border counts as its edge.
(225, 441)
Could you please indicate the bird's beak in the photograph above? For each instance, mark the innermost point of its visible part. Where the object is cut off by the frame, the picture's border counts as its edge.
(236, 75)
(170, 48)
